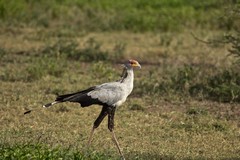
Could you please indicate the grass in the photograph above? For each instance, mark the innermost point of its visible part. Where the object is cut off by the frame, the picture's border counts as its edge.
(105, 15)
(161, 119)
(90, 52)
(40, 151)
(189, 81)
(185, 102)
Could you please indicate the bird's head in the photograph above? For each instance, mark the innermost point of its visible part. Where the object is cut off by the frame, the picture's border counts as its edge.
(132, 63)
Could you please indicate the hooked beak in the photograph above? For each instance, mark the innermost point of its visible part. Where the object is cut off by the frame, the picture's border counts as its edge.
(132, 63)
(136, 64)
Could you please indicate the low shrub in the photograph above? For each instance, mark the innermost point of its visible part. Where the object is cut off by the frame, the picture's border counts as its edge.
(223, 86)
(91, 51)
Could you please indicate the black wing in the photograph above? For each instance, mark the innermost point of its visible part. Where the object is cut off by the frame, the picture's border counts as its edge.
(79, 97)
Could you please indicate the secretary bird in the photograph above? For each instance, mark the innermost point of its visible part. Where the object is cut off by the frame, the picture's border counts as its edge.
(108, 95)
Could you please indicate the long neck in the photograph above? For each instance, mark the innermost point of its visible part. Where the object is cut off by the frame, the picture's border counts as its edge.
(127, 76)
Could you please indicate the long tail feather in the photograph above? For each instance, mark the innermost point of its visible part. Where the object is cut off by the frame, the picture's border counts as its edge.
(79, 97)
(73, 97)
(50, 104)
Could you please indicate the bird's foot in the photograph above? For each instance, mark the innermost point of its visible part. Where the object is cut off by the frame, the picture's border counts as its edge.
(122, 158)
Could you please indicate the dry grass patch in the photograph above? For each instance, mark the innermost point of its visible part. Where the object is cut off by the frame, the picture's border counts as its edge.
(154, 123)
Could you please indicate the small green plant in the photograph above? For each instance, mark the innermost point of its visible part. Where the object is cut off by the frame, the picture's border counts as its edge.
(181, 81)
(196, 111)
(231, 21)
(91, 52)
(44, 66)
(2, 53)
(234, 41)
(223, 87)
(218, 126)
(136, 107)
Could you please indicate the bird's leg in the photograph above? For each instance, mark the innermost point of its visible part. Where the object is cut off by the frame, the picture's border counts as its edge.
(111, 113)
(90, 137)
(117, 144)
(97, 122)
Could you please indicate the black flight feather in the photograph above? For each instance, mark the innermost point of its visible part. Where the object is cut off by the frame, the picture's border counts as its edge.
(79, 97)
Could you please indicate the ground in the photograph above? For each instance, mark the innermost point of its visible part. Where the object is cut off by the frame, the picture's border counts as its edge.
(185, 102)
(154, 123)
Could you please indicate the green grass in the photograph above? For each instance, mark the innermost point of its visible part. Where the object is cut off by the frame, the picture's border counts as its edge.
(107, 15)
(42, 152)
(91, 52)
(162, 119)
(185, 102)
(196, 82)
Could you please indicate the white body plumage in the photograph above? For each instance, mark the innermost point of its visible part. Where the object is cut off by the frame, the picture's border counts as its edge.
(114, 93)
